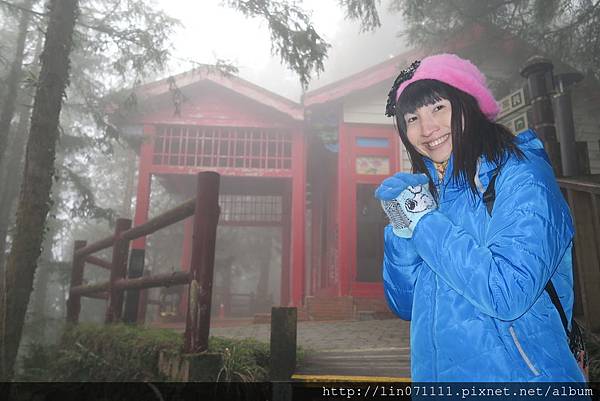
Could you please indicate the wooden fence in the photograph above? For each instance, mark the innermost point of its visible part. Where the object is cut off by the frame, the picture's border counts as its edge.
(205, 209)
(583, 195)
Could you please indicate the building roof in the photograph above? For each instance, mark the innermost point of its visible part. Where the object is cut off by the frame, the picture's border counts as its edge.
(225, 80)
(365, 79)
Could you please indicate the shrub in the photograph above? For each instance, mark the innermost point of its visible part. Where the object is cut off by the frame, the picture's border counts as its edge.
(89, 352)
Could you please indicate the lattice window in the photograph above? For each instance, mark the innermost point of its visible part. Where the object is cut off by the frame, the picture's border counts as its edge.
(245, 148)
(250, 208)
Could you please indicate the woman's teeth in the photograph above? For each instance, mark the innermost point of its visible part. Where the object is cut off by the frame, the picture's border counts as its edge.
(438, 141)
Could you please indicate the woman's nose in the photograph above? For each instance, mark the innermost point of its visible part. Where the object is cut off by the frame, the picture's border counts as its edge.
(429, 125)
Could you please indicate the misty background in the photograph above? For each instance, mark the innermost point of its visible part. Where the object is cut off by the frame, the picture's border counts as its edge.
(95, 178)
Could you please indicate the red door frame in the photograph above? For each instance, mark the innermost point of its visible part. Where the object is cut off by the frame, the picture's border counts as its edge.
(349, 178)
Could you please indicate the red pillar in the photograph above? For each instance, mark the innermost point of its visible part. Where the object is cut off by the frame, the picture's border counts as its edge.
(135, 307)
(142, 201)
(297, 217)
(316, 225)
(344, 211)
(285, 246)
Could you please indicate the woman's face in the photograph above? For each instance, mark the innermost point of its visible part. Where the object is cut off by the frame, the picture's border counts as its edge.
(429, 130)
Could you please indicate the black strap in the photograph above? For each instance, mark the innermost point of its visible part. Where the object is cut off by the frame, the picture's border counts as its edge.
(554, 297)
(489, 196)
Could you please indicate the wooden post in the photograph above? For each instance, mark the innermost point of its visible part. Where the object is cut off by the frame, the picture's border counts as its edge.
(283, 343)
(118, 271)
(185, 262)
(206, 217)
(74, 301)
(132, 297)
(142, 306)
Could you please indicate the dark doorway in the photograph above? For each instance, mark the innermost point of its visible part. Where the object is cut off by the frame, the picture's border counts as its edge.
(370, 222)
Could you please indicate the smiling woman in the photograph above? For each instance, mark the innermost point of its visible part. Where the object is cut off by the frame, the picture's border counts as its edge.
(477, 234)
(428, 129)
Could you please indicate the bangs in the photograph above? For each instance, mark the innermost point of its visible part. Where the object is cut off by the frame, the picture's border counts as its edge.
(421, 93)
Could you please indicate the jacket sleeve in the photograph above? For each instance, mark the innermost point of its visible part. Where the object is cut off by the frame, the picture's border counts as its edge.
(400, 264)
(527, 236)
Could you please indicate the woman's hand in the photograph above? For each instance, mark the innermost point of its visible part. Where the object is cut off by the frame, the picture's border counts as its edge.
(405, 198)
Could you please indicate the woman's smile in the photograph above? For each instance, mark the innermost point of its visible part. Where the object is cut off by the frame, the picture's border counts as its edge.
(435, 144)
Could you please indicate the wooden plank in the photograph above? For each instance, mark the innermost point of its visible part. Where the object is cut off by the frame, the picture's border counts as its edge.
(172, 216)
(588, 258)
(96, 261)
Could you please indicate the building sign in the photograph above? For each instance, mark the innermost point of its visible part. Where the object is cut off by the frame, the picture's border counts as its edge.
(373, 165)
(513, 111)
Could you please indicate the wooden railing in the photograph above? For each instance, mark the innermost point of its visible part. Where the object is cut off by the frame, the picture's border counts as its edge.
(583, 195)
(205, 210)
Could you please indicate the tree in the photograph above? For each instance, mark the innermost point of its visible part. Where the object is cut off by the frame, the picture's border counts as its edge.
(37, 179)
(13, 79)
(565, 29)
(293, 37)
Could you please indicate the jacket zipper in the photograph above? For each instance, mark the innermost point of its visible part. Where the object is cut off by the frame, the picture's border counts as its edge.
(522, 351)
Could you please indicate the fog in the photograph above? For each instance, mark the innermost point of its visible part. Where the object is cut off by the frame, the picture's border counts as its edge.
(117, 99)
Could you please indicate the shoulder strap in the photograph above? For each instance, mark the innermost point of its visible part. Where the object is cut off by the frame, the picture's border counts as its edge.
(489, 196)
(554, 297)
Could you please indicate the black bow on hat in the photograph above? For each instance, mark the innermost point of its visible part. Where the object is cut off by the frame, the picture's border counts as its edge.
(405, 75)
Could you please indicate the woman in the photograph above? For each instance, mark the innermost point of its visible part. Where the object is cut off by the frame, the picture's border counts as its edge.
(471, 280)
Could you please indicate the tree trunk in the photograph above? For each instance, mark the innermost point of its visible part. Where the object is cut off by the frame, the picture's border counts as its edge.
(11, 181)
(34, 200)
(13, 80)
(12, 165)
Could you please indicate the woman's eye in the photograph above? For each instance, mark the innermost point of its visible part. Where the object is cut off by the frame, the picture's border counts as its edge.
(438, 107)
(410, 119)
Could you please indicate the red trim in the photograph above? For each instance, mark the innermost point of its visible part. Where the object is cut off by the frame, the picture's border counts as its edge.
(238, 172)
(349, 179)
(212, 122)
(142, 202)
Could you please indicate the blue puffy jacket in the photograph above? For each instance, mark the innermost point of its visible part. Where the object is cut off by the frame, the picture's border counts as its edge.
(473, 285)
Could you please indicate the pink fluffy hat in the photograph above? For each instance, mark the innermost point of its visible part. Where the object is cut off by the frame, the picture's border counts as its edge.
(452, 70)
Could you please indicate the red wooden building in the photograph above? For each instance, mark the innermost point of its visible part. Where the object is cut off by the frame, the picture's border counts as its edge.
(205, 120)
(309, 169)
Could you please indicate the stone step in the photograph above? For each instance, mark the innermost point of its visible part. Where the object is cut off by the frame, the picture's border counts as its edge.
(384, 362)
